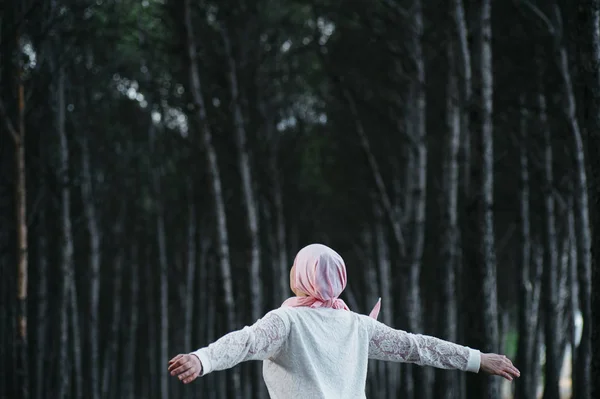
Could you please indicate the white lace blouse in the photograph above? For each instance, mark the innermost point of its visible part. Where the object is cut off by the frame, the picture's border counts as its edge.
(323, 353)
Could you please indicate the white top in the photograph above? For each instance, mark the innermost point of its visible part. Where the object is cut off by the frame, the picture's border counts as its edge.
(323, 353)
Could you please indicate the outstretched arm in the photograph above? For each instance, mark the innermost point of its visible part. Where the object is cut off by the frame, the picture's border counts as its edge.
(260, 341)
(401, 346)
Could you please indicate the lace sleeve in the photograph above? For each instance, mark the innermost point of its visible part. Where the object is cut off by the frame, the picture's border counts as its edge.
(400, 346)
(260, 341)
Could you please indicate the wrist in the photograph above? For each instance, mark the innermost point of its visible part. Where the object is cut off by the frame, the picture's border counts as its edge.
(199, 361)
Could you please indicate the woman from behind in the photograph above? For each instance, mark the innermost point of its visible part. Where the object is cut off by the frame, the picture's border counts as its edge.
(313, 346)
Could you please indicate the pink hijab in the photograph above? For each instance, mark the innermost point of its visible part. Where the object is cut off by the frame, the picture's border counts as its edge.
(320, 273)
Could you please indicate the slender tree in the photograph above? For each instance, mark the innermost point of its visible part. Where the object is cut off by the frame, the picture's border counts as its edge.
(18, 135)
(67, 249)
(94, 262)
(551, 321)
(215, 179)
(448, 298)
(587, 41)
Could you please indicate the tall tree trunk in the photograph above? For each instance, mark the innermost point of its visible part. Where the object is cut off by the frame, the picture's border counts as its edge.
(583, 372)
(526, 328)
(191, 270)
(163, 263)
(22, 253)
(587, 375)
(129, 368)
(111, 351)
(367, 259)
(573, 284)
(89, 207)
(385, 278)
(407, 387)
(465, 72)
(149, 293)
(77, 365)
(536, 319)
(246, 174)
(18, 135)
(414, 307)
(551, 324)
(250, 204)
(482, 261)
(41, 319)
(67, 240)
(215, 178)
(277, 193)
(447, 270)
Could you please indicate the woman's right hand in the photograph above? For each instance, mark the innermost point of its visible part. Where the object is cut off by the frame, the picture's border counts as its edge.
(186, 367)
(494, 364)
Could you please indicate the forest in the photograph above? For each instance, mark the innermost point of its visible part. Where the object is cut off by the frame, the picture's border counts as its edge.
(162, 161)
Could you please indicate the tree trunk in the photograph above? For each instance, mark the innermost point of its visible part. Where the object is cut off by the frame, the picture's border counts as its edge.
(41, 319)
(245, 168)
(536, 320)
(77, 365)
(149, 294)
(480, 227)
(465, 73)
(385, 278)
(423, 376)
(277, 192)
(587, 375)
(582, 374)
(573, 285)
(94, 262)
(109, 362)
(489, 282)
(190, 280)
(67, 240)
(448, 388)
(131, 336)
(215, 178)
(550, 291)
(162, 261)
(22, 254)
(22, 370)
(525, 288)
(367, 259)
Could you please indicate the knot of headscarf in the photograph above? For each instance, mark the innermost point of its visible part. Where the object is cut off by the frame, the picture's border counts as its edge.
(320, 273)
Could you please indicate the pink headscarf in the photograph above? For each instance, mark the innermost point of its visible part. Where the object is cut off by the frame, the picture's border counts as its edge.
(320, 273)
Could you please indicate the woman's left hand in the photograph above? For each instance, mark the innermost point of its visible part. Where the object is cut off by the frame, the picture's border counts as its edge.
(494, 364)
(187, 367)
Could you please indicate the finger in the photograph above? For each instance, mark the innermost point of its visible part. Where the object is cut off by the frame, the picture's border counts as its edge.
(176, 363)
(187, 373)
(184, 367)
(515, 371)
(512, 369)
(191, 378)
(175, 358)
(505, 375)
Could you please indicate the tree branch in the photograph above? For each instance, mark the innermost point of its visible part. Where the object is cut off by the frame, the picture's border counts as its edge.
(385, 199)
(541, 15)
(9, 125)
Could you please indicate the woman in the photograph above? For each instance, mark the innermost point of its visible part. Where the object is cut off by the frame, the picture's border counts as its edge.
(314, 347)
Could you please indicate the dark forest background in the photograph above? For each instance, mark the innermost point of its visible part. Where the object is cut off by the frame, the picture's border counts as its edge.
(161, 162)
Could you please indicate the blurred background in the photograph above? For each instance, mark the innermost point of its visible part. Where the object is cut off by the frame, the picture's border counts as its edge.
(162, 161)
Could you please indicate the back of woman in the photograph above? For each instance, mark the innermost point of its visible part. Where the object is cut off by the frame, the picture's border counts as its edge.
(324, 356)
